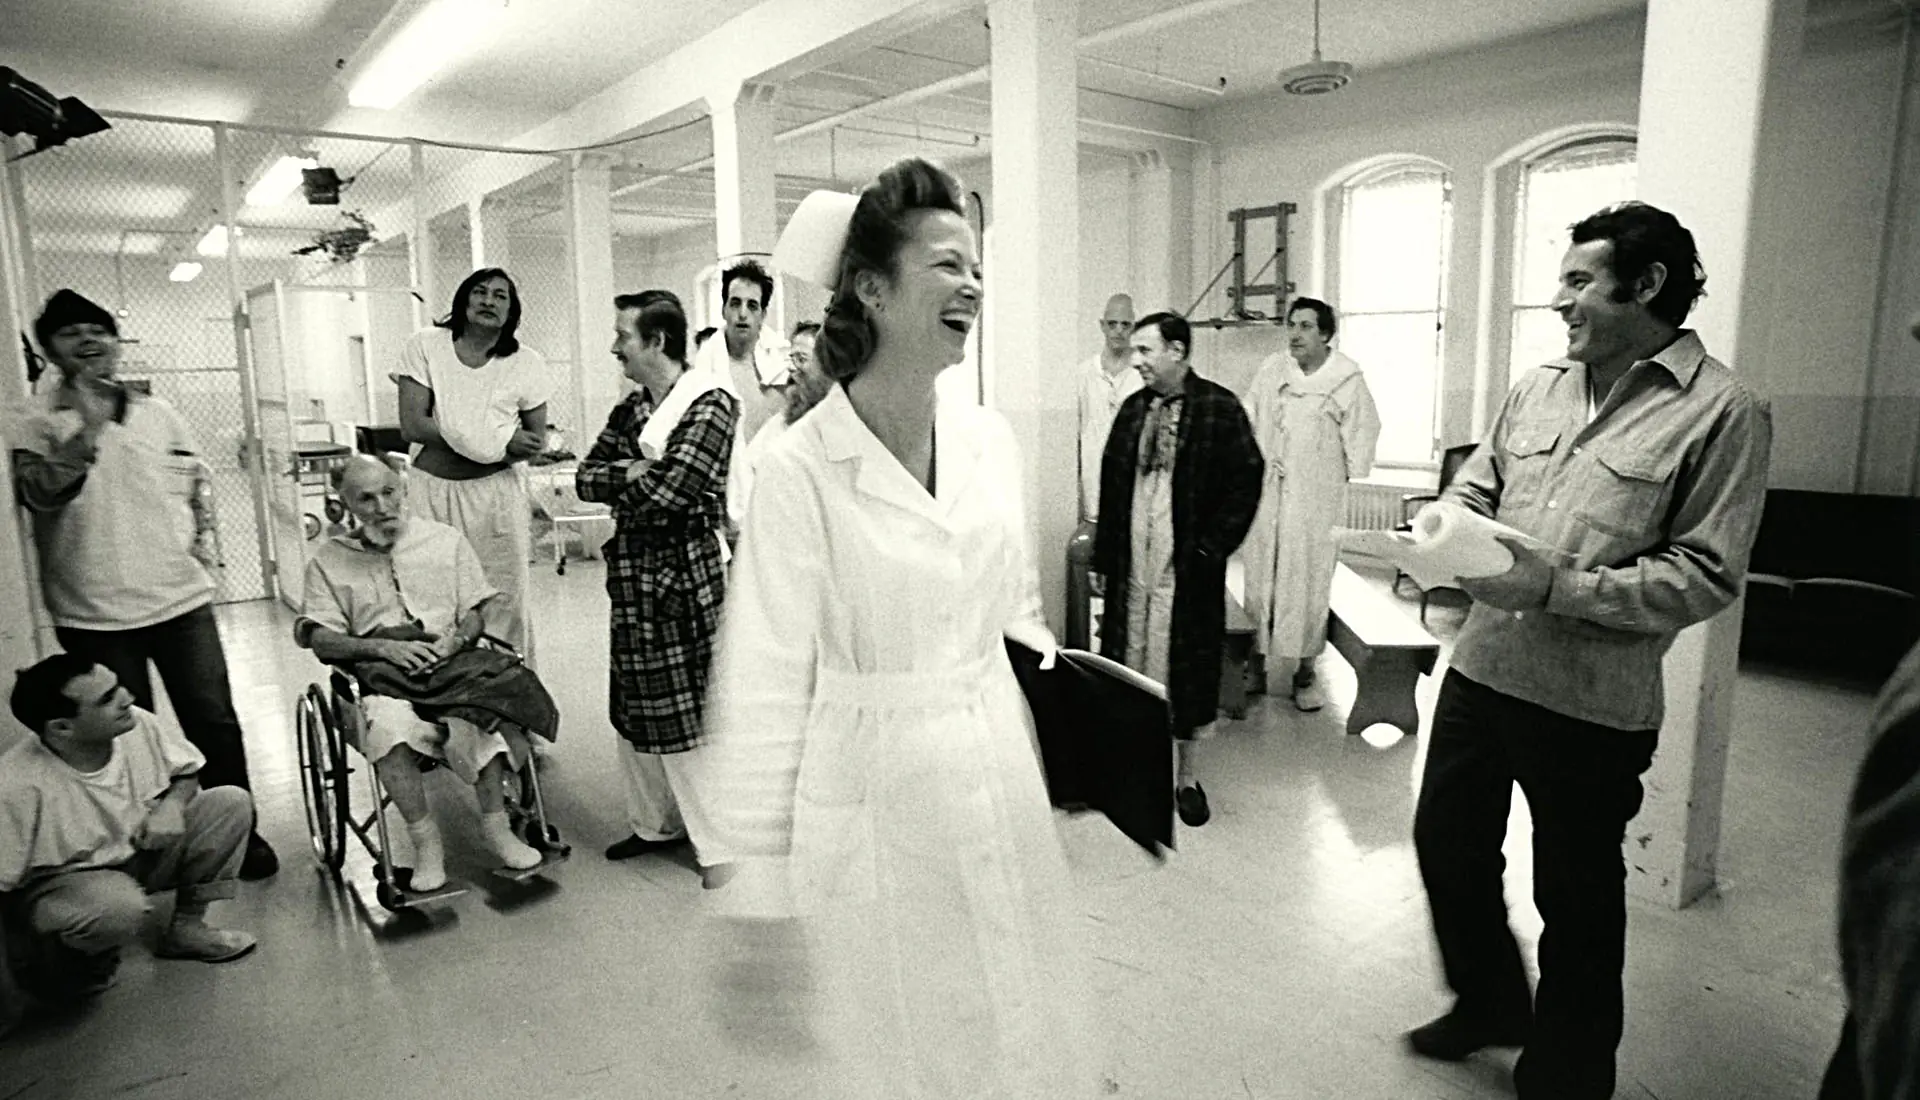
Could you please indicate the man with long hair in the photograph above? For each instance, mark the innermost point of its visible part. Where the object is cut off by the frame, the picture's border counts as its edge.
(473, 402)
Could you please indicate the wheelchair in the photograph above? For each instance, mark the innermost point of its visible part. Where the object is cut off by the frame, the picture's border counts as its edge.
(329, 721)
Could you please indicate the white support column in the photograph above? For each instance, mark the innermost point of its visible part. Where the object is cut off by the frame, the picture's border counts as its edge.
(421, 257)
(1711, 89)
(1036, 236)
(487, 234)
(19, 643)
(590, 251)
(744, 163)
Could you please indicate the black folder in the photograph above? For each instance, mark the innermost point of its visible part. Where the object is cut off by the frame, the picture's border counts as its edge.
(1105, 740)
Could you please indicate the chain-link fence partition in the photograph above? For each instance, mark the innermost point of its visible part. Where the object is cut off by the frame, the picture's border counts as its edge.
(113, 216)
(174, 224)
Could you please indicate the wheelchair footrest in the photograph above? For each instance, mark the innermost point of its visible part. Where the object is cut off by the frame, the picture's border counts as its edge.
(549, 859)
(400, 894)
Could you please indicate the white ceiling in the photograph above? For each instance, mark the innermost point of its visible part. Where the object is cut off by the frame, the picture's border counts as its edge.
(286, 63)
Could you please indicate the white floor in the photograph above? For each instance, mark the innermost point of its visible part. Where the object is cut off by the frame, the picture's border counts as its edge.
(1280, 953)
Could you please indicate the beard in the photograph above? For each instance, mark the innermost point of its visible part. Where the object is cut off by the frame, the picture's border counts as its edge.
(380, 535)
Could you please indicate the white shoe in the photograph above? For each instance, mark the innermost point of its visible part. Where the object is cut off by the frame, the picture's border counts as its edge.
(1310, 697)
(429, 857)
(515, 853)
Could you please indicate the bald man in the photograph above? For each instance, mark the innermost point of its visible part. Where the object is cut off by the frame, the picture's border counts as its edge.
(1104, 381)
(411, 592)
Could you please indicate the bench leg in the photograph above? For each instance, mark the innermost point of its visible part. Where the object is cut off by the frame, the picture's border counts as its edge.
(1385, 694)
(1233, 675)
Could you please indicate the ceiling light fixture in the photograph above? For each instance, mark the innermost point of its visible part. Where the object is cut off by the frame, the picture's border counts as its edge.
(425, 44)
(279, 181)
(1316, 77)
(214, 243)
(185, 271)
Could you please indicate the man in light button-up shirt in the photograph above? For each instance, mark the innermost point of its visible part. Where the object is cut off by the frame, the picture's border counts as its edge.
(1645, 460)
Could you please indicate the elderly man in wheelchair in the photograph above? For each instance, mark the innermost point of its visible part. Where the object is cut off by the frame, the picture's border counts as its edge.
(398, 604)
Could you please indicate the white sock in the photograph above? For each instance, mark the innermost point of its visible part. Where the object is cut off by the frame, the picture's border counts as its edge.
(515, 853)
(429, 858)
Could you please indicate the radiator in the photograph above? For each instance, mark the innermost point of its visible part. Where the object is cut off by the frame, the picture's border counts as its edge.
(1375, 507)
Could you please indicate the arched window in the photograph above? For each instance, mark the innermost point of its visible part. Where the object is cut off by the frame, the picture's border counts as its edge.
(1555, 189)
(1390, 269)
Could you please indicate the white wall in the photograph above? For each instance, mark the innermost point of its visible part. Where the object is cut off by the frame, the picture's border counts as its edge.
(1281, 148)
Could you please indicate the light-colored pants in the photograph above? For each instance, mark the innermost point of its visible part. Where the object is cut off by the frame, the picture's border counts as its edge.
(496, 516)
(663, 799)
(457, 743)
(100, 909)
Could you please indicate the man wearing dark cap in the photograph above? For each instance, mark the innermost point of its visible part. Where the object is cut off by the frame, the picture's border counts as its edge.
(114, 482)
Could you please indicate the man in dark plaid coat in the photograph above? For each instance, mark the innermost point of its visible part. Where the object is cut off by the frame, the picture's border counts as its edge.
(1179, 484)
(665, 574)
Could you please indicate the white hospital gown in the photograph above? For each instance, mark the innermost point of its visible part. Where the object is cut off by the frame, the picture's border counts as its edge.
(1318, 431)
(873, 766)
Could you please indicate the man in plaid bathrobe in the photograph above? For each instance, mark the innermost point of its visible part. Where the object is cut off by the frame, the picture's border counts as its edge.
(665, 575)
(1179, 485)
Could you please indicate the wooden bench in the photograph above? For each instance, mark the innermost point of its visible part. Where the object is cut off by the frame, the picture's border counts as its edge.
(1235, 665)
(1388, 650)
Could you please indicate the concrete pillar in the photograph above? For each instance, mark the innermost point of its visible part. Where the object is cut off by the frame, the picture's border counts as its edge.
(744, 160)
(421, 254)
(487, 234)
(1890, 430)
(1711, 88)
(1036, 230)
(19, 643)
(590, 252)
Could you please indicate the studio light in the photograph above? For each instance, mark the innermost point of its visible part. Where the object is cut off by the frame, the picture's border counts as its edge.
(26, 107)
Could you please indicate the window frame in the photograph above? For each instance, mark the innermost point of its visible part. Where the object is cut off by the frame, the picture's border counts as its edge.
(1337, 212)
(1516, 258)
(1500, 227)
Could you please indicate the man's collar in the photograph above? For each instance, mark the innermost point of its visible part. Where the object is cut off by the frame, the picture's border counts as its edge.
(1683, 357)
(1680, 359)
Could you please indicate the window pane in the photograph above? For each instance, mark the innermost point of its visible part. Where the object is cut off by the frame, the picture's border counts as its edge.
(1539, 336)
(1400, 354)
(1557, 191)
(1391, 242)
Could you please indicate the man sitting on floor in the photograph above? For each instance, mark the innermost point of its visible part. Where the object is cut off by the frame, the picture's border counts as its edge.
(99, 810)
(364, 589)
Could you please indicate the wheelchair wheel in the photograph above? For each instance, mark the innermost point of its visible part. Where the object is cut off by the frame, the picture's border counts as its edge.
(323, 778)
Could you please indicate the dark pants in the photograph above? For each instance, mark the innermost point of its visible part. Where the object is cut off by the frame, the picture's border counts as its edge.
(1582, 783)
(187, 652)
(1842, 1081)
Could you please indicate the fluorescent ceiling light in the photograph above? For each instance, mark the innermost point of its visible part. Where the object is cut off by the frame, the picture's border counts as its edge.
(185, 271)
(440, 32)
(214, 243)
(279, 181)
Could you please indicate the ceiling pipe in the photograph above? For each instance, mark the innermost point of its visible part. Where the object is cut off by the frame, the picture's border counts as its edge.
(1159, 21)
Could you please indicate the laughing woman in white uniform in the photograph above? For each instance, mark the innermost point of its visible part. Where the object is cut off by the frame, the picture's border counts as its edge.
(473, 401)
(876, 790)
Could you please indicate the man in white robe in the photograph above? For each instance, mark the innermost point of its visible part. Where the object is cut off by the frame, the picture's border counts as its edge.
(1317, 425)
(1101, 383)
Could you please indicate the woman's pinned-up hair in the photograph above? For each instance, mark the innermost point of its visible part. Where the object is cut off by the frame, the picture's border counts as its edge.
(882, 224)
